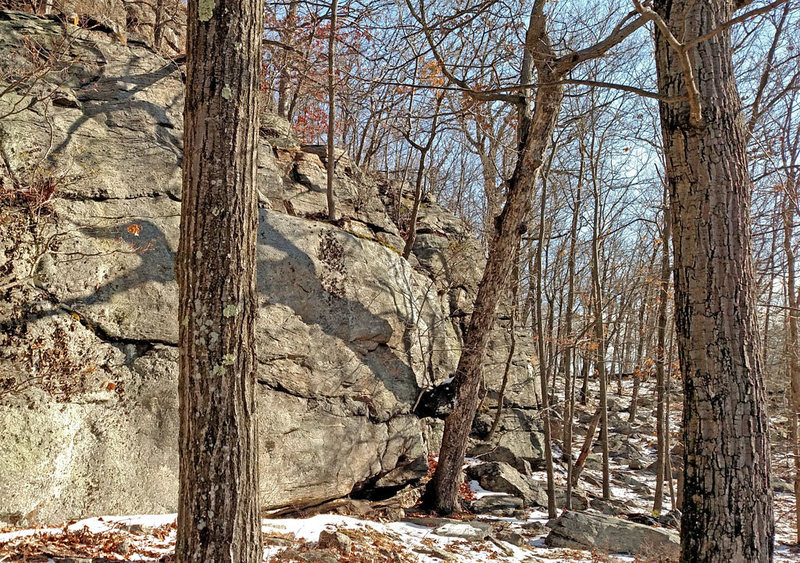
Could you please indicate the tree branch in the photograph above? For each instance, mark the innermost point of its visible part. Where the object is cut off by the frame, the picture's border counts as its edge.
(692, 93)
(730, 23)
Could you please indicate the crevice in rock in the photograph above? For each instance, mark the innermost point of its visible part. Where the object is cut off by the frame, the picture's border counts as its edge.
(368, 490)
(101, 198)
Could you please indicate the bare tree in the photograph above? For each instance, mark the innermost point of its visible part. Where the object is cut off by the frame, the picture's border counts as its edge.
(331, 157)
(536, 130)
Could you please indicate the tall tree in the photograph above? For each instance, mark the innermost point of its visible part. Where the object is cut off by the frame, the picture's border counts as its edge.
(536, 130)
(218, 511)
(661, 358)
(727, 501)
(331, 158)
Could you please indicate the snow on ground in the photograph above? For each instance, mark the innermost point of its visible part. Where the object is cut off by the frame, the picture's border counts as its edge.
(152, 538)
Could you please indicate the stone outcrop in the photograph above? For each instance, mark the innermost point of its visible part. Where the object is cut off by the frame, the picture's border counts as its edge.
(349, 333)
(501, 477)
(581, 530)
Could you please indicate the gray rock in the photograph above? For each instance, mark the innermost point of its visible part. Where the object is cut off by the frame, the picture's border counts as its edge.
(472, 531)
(637, 463)
(671, 519)
(275, 130)
(499, 505)
(335, 540)
(511, 537)
(781, 486)
(580, 530)
(579, 499)
(348, 331)
(312, 556)
(519, 442)
(501, 477)
(613, 507)
(535, 527)
(632, 483)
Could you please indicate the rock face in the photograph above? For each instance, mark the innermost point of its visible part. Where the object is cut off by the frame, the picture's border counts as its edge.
(580, 530)
(501, 477)
(349, 333)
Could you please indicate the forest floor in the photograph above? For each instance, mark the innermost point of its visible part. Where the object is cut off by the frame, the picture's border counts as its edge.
(367, 537)
(152, 538)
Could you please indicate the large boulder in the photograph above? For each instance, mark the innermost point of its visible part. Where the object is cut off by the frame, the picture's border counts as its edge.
(502, 478)
(581, 530)
(518, 441)
(349, 333)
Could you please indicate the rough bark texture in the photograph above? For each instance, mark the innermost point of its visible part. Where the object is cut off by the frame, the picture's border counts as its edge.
(218, 518)
(569, 358)
(727, 503)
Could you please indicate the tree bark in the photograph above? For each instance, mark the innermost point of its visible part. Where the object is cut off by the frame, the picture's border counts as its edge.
(544, 362)
(586, 448)
(727, 501)
(536, 132)
(423, 150)
(585, 367)
(218, 511)
(287, 36)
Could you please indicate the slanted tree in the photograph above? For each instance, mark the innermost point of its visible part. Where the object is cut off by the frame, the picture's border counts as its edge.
(218, 510)
(536, 130)
(727, 501)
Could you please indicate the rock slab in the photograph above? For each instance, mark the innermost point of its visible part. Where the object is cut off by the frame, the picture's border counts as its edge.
(581, 530)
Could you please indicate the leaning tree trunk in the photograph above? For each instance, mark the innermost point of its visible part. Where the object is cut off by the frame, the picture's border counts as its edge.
(218, 510)
(536, 132)
(442, 491)
(727, 502)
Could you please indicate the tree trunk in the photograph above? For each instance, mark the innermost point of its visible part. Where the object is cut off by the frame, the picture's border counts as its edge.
(600, 336)
(569, 385)
(585, 367)
(411, 237)
(789, 202)
(544, 363)
(662, 458)
(667, 436)
(727, 501)
(218, 510)
(587, 447)
(501, 395)
(442, 491)
(287, 36)
(331, 162)
(536, 133)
